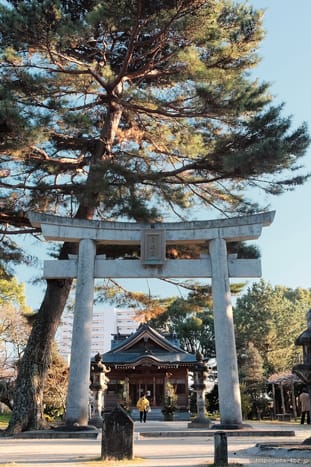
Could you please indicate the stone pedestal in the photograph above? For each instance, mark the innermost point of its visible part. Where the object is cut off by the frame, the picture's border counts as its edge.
(220, 449)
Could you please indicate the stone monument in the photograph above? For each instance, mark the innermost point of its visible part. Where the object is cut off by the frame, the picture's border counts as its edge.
(117, 436)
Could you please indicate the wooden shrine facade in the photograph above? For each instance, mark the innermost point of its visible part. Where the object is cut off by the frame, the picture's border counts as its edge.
(146, 362)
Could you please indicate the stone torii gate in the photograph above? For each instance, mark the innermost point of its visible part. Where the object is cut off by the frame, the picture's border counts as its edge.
(153, 238)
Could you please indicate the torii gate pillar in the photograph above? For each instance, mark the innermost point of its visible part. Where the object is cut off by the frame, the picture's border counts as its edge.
(153, 264)
(229, 389)
(79, 380)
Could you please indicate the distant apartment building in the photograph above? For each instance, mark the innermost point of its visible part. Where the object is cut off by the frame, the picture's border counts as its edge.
(126, 323)
(106, 323)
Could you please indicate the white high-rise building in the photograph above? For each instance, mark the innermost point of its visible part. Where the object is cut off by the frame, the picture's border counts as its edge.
(106, 322)
(126, 323)
(63, 335)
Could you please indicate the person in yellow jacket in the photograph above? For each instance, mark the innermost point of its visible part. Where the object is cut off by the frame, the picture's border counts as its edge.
(143, 407)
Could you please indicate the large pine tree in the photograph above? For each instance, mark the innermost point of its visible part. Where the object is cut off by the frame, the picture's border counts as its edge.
(130, 109)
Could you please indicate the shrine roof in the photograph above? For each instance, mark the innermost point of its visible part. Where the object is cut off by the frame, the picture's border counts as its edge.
(147, 346)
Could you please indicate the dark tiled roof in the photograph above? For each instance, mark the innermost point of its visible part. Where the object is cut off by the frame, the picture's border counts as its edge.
(148, 346)
(168, 357)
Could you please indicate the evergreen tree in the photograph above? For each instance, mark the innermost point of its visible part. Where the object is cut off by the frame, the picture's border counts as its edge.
(271, 318)
(191, 320)
(130, 109)
(251, 368)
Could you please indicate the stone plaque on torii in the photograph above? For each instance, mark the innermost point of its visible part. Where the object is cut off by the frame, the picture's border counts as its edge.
(153, 239)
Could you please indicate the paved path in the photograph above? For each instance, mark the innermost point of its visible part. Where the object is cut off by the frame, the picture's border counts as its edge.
(149, 451)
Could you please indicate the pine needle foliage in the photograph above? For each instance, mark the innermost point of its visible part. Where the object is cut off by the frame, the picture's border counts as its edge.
(137, 110)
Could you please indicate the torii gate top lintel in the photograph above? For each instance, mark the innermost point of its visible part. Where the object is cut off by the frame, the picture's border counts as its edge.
(231, 229)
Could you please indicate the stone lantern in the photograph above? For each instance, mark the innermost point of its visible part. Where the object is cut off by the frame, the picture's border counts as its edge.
(98, 385)
(200, 386)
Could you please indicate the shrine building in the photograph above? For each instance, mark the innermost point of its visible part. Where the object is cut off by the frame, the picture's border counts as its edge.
(146, 362)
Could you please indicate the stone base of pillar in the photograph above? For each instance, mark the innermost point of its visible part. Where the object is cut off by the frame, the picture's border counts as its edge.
(73, 431)
(75, 427)
(231, 426)
(96, 421)
(200, 423)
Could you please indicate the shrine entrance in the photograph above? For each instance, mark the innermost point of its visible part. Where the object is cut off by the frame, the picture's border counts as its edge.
(153, 263)
(147, 385)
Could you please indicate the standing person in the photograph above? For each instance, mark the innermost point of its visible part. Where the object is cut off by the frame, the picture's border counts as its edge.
(305, 406)
(143, 407)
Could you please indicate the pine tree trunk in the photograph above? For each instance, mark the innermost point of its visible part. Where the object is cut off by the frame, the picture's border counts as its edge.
(27, 412)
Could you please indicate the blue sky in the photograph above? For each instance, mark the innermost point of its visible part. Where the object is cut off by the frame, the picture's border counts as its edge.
(285, 245)
(286, 64)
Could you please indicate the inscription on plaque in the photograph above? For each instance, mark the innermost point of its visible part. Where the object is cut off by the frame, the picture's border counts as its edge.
(152, 247)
